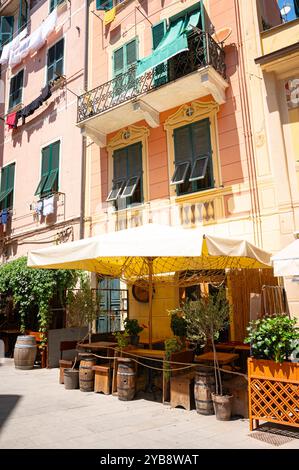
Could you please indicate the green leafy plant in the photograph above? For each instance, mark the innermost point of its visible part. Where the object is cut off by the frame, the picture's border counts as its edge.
(205, 319)
(122, 339)
(273, 338)
(172, 345)
(34, 289)
(178, 324)
(132, 326)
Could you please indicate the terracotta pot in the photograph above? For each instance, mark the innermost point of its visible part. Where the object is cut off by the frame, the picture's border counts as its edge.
(222, 406)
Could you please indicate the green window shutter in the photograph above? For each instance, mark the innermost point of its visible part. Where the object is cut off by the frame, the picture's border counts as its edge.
(7, 186)
(6, 29)
(118, 62)
(131, 53)
(23, 14)
(183, 144)
(158, 33)
(104, 4)
(50, 169)
(55, 60)
(16, 87)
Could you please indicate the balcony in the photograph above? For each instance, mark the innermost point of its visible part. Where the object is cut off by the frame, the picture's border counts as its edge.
(127, 99)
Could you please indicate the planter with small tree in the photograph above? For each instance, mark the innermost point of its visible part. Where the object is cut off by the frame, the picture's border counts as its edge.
(133, 329)
(205, 319)
(273, 371)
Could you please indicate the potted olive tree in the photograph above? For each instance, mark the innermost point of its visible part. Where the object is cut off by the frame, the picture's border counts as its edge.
(205, 319)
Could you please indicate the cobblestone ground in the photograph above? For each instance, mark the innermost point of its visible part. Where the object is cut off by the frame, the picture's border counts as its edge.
(36, 412)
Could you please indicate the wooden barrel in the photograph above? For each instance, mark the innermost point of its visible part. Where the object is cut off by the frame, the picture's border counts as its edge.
(203, 388)
(86, 374)
(25, 352)
(126, 379)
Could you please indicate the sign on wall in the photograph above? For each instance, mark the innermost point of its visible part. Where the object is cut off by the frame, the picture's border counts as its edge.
(292, 93)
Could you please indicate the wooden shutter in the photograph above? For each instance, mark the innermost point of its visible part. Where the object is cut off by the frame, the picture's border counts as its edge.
(183, 144)
(201, 144)
(15, 92)
(23, 13)
(7, 186)
(6, 29)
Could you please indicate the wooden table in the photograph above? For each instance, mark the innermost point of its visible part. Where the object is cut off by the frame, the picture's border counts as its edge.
(97, 345)
(222, 357)
(148, 353)
(146, 342)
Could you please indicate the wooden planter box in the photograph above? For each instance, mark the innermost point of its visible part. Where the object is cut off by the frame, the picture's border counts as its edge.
(273, 392)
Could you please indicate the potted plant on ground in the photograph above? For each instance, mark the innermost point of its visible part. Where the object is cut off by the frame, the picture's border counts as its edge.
(205, 319)
(133, 329)
(273, 370)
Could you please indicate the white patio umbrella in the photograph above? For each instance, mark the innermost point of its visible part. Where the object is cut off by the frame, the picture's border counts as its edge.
(286, 261)
(143, 253)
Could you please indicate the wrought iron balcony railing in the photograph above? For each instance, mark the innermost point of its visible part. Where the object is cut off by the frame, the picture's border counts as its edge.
(203, 51)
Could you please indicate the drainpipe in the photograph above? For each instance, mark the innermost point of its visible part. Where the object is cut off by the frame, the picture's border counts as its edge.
(249, 145)
(83, 155)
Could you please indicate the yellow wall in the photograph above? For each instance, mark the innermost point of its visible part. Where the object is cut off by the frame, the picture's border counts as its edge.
(165, 298)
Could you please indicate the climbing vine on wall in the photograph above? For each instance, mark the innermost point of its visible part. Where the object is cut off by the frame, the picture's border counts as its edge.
(35, 288)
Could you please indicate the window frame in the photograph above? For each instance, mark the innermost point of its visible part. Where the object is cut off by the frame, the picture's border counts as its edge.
(56, 4)
(13, 105)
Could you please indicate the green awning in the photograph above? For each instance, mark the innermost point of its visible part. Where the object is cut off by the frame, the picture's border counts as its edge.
(174, 42)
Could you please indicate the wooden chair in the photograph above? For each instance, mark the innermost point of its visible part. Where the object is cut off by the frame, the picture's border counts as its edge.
(67, 346)
(187, 357)
(102, 379)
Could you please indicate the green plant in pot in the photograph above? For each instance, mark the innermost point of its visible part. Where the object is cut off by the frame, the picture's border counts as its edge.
(133, 329)
(122, 339)
(205, 319)
(178, 325)
(275, 338)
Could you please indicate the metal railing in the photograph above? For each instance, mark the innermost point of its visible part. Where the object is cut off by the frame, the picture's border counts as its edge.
(203, 51)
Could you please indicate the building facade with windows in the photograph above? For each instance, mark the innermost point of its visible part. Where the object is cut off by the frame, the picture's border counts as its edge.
(41, 149)
(169, 123)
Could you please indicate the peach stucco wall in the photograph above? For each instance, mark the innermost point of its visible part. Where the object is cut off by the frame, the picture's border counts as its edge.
(55, 120)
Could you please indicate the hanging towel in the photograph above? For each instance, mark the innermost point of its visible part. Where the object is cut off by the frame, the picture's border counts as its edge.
(36, 40)
(46, 92)
(39, 207)
(109, 16)
(4, 216)
(49, 24)
(48, 207)
(14, 56)
(9, 48)
(11, 120)
(5, 54)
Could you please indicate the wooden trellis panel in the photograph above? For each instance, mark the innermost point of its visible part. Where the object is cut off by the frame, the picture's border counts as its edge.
(241, 284)
(273, 392)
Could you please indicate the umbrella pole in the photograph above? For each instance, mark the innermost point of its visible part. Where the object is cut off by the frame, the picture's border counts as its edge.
(150, 304)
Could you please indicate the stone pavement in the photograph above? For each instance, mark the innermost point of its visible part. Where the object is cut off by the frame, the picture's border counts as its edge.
(36, 412)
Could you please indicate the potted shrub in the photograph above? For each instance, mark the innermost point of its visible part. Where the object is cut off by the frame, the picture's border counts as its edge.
(273, 370)
(205, 319)
(133, 329)
(178, 325)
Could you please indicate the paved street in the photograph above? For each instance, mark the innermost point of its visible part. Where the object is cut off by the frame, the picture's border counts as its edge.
(37, 412)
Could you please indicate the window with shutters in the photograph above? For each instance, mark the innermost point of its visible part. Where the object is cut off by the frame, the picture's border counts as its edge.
(127, 184)
(124, 72)
(193, 158)
(55, 62)
(6, 30)
(7, 186)
(16, 89)
(50, 170)
(55, 3)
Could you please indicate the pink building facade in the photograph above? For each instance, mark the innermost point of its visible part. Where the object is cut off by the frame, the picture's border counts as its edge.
(42, 72)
